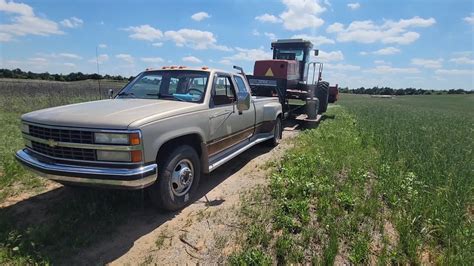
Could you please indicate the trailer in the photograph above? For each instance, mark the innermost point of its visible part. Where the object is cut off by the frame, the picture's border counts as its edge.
(294, 79)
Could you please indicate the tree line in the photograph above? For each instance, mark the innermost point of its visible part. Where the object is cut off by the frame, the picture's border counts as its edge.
(74, 76)
(406, 91)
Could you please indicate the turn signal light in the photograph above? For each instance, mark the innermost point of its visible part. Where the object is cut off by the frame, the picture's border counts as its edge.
(136, 156)
(134, 139)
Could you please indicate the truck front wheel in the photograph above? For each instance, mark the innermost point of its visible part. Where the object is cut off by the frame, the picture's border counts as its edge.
(178, 179)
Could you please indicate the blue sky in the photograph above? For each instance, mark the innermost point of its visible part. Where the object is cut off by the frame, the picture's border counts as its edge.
(422, 44)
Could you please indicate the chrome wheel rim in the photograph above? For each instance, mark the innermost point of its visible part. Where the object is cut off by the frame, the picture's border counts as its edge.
(182, 177)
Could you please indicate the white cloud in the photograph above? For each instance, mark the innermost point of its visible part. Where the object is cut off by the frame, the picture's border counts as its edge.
(384, 69)
(462, 60)
(427, 63)
(299, 15)
(255, 32)
(469, 19)
(102, 45)
(195, 39)
(455, 72)
(72, 22)
(353, 6)
(69, 64)
(316, 40)
(200, 16)
(70, 56)
(387, 51)
(60, 56)
(225, 62)
(329, 56)
(4, 37)
(125, 57)
(268, 18)
(270, 35)
(153, 60)
(381, 62)
(16, 8)
(302, 14)
(191, 59)
(342, 67)
(24, 22)
(157, 44)
(247, 55)
(388, 32)
(144, 33)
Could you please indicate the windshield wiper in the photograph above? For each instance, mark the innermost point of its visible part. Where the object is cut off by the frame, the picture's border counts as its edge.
(126, 94)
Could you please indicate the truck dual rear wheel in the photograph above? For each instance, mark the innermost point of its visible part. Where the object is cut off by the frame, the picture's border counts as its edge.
(178, 179)
(277, 133)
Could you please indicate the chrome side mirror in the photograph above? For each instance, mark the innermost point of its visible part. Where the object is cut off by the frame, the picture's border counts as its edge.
(111, 93)
(243, 101)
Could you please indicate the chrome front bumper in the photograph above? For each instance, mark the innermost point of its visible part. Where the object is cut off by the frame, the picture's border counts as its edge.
(135, 178)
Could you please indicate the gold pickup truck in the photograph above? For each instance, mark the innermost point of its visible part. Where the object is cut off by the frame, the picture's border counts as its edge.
(160, 132)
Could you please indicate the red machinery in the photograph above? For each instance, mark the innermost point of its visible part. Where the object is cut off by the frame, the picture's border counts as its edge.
(292, 76)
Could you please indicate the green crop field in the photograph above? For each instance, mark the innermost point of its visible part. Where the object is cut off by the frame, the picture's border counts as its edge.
(379, 181)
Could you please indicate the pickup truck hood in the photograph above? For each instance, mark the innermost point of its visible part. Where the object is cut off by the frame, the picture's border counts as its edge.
(110, 114)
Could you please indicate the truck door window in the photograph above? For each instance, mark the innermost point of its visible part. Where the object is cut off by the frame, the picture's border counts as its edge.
(223, 91)
(173, 85)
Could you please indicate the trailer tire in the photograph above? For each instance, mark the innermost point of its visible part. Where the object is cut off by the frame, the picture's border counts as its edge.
(178, 179)
(322, 93)
(277, 133)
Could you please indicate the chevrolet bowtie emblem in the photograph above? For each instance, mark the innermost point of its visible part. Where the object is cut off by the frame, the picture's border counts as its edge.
(52, 143)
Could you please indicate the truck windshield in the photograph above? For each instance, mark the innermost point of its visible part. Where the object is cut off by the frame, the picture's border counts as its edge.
(290, 54)
(177, 85)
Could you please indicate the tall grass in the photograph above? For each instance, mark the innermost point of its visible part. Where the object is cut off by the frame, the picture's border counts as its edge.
(425, 169)
(386, 180)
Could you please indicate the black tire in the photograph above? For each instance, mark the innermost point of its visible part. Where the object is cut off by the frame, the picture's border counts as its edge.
(322, 93)
(277, 133)
(175, 187)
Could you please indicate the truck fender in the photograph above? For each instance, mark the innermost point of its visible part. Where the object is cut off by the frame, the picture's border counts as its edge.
(271, 111)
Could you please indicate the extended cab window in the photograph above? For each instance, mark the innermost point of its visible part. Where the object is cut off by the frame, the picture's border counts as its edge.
(223, 91)
(176, 85)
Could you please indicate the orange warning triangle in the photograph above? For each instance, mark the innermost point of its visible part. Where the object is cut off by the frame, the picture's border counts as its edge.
(269, 72)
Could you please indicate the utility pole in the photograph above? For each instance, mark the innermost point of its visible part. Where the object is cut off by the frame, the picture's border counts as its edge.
(98, 69)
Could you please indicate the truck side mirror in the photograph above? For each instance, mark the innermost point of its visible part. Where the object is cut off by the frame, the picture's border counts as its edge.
(243, 101)
(111, 93)
(316, 52)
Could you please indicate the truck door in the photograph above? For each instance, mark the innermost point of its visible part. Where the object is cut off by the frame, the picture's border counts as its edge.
(227, 126)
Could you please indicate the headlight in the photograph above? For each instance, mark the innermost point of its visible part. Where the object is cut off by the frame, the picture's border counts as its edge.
(25, 128)
(119, 156)
(117, 138)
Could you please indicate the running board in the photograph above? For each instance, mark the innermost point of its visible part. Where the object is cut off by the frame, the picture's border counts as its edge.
(231, 156)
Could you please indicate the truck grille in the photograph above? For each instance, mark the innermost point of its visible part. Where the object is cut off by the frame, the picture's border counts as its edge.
(64, 152)
(63, 135)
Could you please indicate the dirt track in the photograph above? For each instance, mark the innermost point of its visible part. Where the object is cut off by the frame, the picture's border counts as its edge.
(202, 232)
